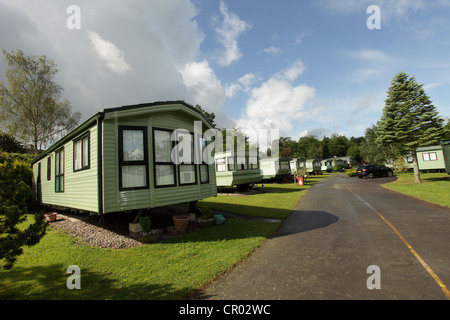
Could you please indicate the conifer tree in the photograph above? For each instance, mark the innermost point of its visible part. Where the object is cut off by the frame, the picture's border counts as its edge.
(409, 119)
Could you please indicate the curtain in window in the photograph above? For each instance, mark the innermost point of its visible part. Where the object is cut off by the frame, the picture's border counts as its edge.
(163, 146)
(133, 145)
(134, 176)
(77, 155)
(85, 151)
(165, 174)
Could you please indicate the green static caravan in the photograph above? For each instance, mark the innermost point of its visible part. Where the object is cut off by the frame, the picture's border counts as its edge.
(275, 168)
(434, 158)
(120, 160)
(297, 164)
(234, 169)
(313, 166)
(326, 165)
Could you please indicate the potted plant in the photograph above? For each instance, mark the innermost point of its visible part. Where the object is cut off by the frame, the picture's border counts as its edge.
(148, 234)
(206, 219)
(181, 222)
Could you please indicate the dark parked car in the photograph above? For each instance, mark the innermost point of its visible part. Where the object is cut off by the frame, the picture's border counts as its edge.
(372, 170)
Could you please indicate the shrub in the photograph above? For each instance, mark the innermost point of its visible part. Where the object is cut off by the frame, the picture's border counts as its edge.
(145, 223)
(351, 172)
(15, 195)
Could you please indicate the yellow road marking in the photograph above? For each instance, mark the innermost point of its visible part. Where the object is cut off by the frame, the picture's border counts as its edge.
(418, 257)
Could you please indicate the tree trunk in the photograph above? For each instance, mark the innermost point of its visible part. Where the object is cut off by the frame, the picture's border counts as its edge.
(416, 168)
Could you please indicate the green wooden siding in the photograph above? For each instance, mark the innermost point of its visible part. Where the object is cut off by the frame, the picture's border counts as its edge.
(80, 187)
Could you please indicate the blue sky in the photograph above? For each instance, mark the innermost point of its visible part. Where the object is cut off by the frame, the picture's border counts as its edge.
(304, 67)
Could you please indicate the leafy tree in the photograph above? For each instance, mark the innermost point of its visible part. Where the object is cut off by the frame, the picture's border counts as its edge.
(10, 144)
(30, 105)
(447, 130)
(409, 119)
(210, 116)
(338, 145)
(15, 196)
(354, 148)
(324, 149)
(374, 152)
(308, 147)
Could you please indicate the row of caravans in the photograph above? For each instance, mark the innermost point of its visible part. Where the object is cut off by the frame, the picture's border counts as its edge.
(120, 160)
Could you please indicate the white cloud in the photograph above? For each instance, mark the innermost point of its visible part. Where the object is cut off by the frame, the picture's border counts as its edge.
(277, 102)
(228, 32)
(244, 83)
(153, 47)
(205, 89)
(272, 51)
(107, 51)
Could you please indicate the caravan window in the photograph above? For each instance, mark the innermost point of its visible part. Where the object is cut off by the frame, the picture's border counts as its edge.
(133, 158)
(164, 167)
(187, 173)
(59, 170)
(431, 156)
(81, 153)
(220, 165)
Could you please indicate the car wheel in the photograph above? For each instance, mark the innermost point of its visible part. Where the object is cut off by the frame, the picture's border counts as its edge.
(390, 174)
(370, 175)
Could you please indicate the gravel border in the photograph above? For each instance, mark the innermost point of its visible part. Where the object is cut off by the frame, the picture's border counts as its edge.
(92, 235)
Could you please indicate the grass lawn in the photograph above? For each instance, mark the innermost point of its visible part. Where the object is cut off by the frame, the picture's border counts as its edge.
(277, 201)
(170, 269)
(435, 187)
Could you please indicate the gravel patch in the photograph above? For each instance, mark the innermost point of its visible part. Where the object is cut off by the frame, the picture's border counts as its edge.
(93, 235)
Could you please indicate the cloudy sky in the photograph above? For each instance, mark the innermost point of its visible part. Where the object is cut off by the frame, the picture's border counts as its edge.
(302, 66)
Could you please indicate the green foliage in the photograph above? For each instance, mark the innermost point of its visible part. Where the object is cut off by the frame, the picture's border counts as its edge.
(145, 223)
(10, 144)
(15, 196)
(400, 165)
(206, 212)
(31, 106)
(409, 119)
(351, 172)
(338, 145)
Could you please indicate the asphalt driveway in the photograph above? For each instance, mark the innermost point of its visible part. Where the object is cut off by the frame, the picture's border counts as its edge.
(340, 228)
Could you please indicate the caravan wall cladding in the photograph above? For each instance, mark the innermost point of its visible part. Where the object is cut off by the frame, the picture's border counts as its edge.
(127, 166)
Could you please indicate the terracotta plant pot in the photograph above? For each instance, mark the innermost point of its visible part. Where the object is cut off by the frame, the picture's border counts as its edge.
(50, 216)
(181, 222)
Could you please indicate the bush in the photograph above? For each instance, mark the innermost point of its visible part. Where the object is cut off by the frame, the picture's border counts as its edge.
(15, 196)
(351, 172)
(145, 223)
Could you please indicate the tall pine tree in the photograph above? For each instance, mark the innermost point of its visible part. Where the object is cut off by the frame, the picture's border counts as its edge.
(409, 120)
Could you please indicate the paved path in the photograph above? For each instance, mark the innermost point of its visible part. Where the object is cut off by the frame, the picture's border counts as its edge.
(341, 227)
